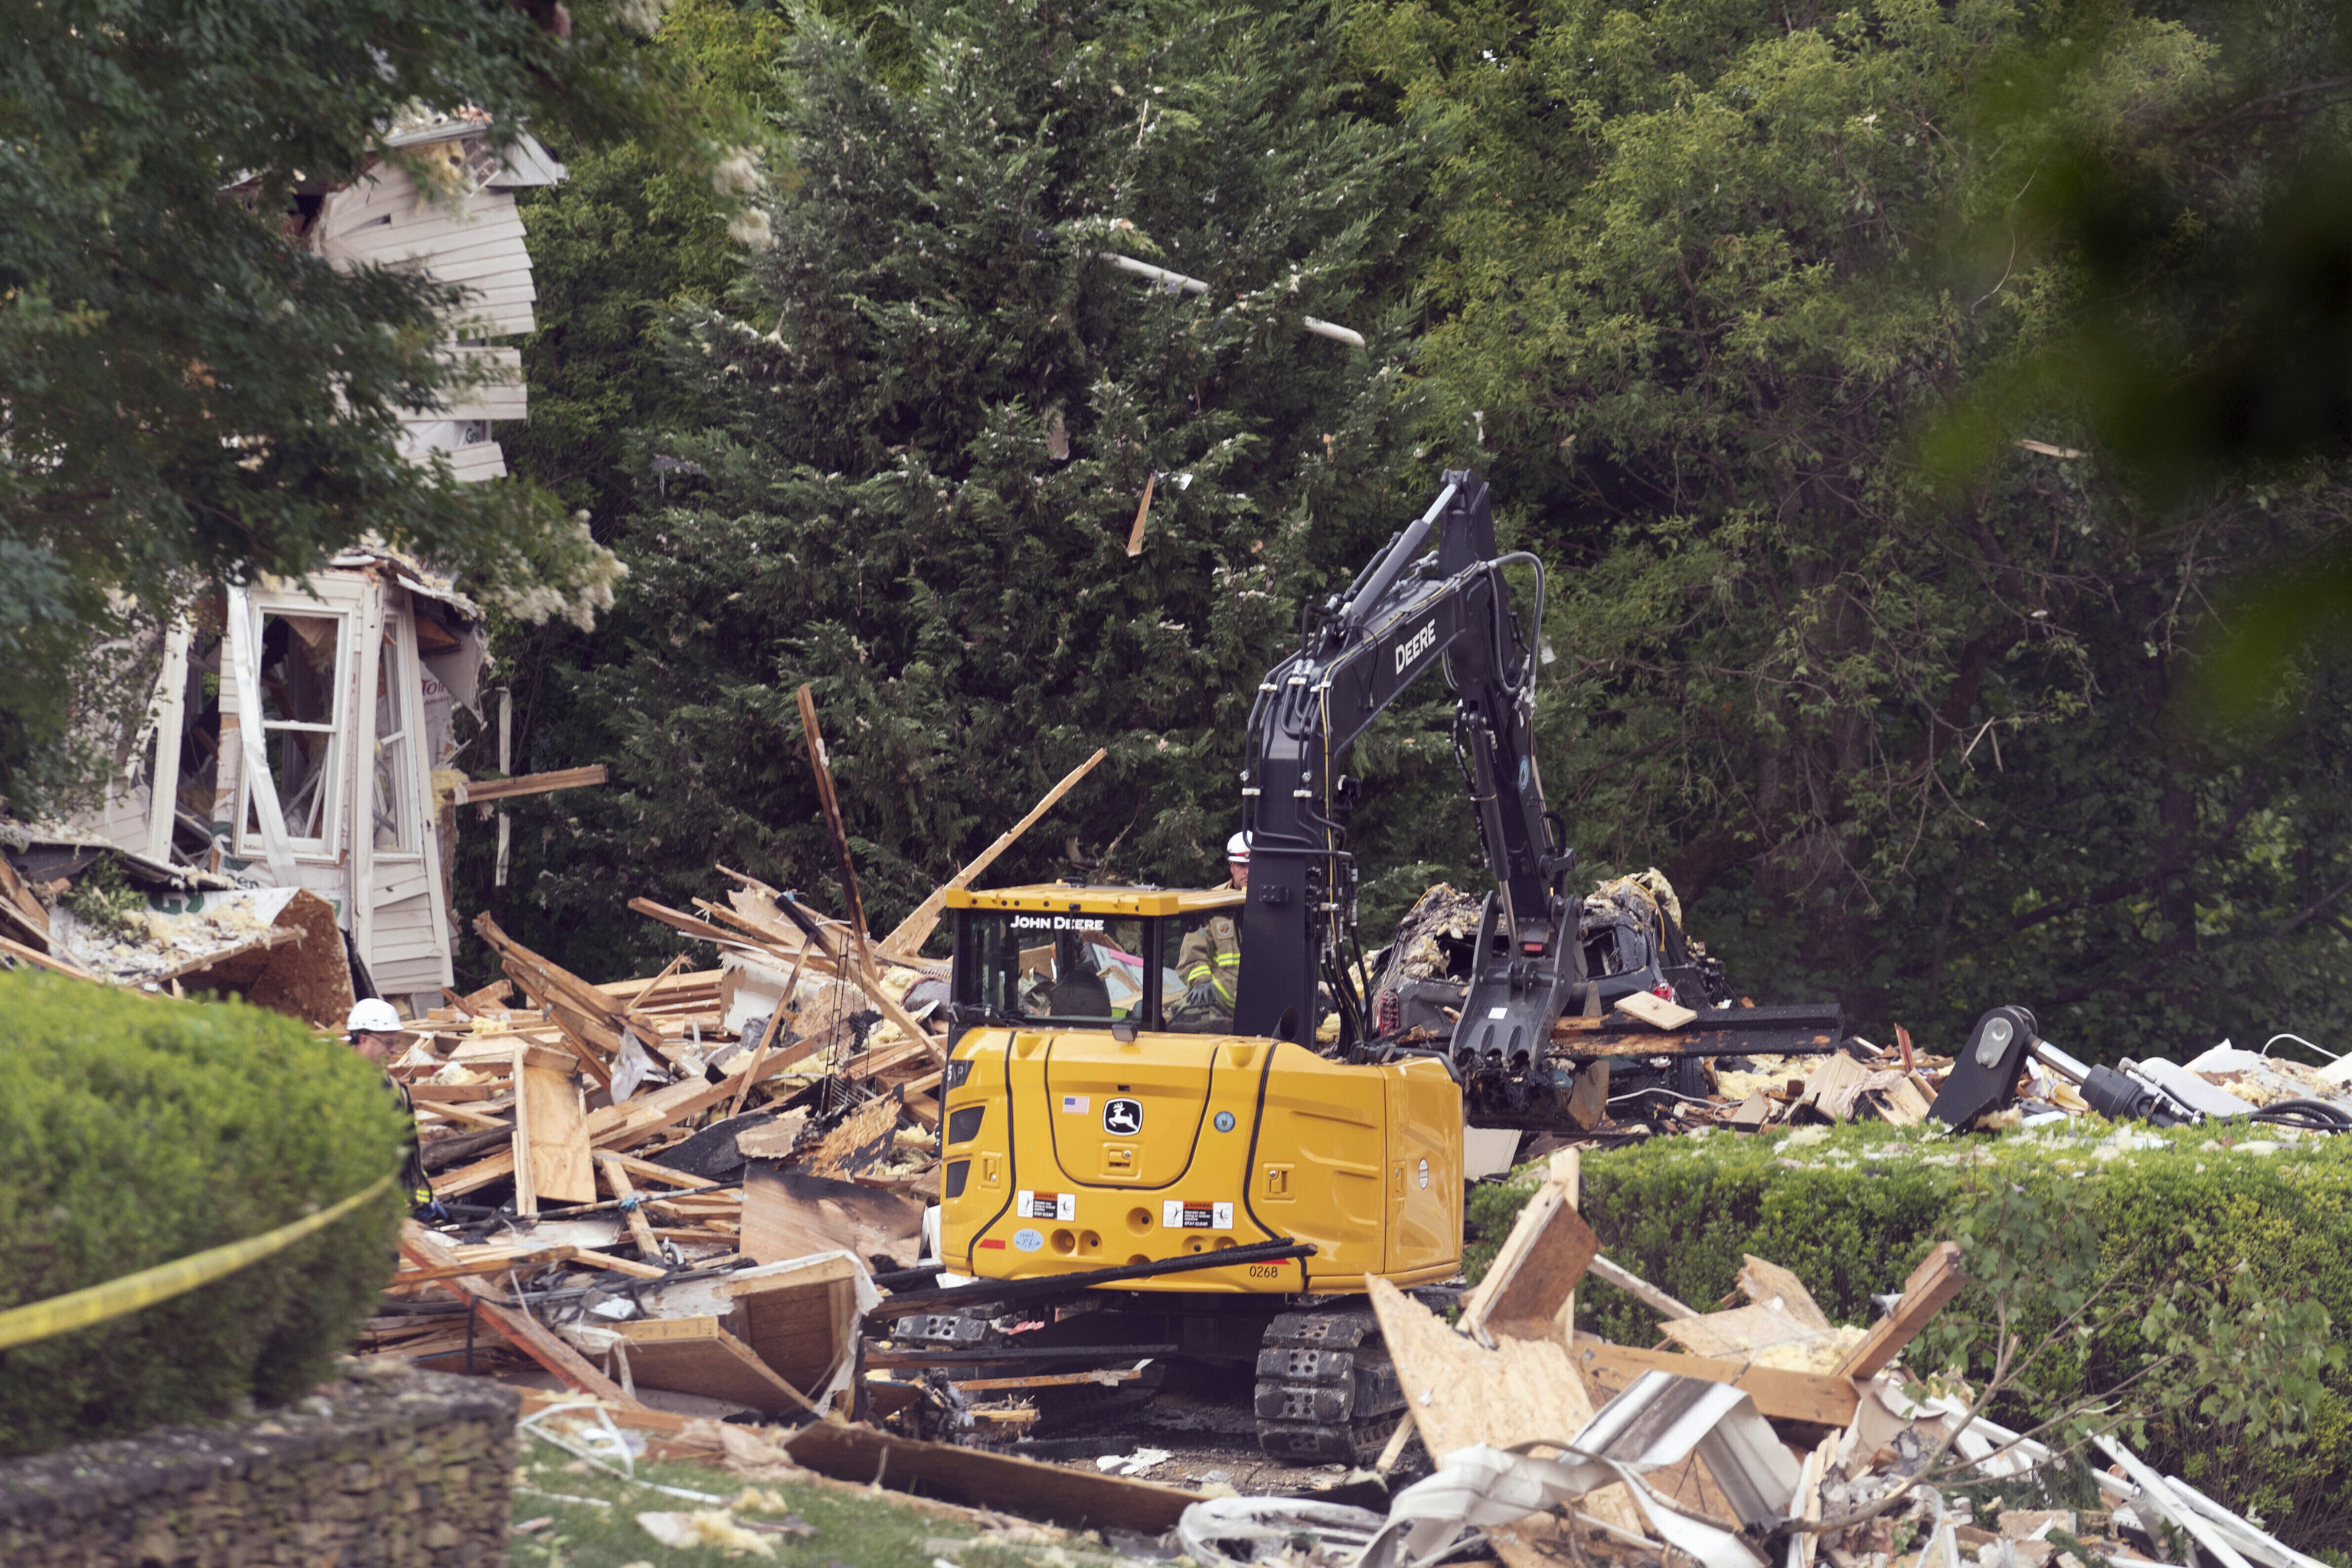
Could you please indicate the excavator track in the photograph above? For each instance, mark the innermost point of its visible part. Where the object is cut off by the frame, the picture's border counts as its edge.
(1326, 1388)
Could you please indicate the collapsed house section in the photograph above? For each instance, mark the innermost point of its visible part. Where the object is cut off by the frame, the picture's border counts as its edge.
(304, 734)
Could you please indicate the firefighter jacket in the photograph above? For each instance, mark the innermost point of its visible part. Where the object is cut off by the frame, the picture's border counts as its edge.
(1213, 953)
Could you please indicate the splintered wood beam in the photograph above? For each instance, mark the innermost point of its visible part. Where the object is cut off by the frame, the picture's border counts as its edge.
(18, 949)
(1827, 1401)
(544, 1255)
(616, 1182)
(884, 1003)
(911, 933)
(662, 1173)
(470, 793)
(678, 921)
(1640, 1290)
(822, 765)
(425, 1250)
(1936, 1281)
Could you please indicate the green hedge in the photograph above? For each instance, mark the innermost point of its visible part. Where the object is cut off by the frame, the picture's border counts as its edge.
(134, 1130)
(1852, 1213)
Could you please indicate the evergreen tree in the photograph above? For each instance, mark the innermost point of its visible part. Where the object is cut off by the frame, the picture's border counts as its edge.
(937, 410)
(1713, 270)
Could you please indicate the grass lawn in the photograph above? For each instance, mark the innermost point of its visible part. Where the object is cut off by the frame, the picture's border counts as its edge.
(851, 1530)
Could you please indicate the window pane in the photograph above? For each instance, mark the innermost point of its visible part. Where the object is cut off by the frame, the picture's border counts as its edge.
(393, 819)
(297, 765)
(1201, 971)
(1080, 968)
(298, 667)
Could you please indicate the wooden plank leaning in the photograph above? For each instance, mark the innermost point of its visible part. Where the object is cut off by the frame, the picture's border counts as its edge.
(1937, 1280)
(909, 936)
(425, 1250)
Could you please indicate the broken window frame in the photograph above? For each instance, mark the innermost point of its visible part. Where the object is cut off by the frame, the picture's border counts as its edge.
(401, 671)
(326, 845)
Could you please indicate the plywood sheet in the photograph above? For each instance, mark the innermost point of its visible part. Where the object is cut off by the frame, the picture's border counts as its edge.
(698, 1355)
(789, 1214)
(804, 1323)
(1736, 1334)
(1533, 1275)
(1763, 1282)
(553, 1129)
(1523, 1391)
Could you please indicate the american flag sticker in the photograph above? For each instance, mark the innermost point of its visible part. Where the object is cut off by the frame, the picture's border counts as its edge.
(1076, 1105)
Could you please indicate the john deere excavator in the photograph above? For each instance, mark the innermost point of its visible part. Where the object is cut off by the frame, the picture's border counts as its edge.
(1224, 1186)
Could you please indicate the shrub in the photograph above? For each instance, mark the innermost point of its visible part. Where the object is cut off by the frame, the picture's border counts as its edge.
(134, 1130)
(1852, 1213)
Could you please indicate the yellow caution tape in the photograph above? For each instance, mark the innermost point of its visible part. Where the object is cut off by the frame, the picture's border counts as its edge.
(97, 1303)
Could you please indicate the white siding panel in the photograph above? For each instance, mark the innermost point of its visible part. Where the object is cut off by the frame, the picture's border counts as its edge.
(491, 403)
(409, 975)
(122, 818)
(438, 250)
(395, 882)
(483, 460)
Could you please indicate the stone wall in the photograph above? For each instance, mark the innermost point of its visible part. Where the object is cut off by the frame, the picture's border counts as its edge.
(385, 1471)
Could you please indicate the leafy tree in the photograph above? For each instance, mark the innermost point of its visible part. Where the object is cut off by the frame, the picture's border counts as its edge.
(630, 233)
(936, 410)
(182, 392)
(1901, 731)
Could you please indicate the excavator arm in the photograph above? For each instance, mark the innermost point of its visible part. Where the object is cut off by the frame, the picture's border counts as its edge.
(1435, 594)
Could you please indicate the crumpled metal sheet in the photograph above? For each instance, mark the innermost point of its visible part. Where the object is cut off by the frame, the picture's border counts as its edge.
(1658, 1421)
(1235, 1531)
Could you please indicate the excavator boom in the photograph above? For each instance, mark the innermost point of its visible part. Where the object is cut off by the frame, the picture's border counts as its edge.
(1435, 595)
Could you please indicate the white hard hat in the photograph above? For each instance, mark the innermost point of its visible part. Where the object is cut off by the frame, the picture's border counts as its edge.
(372, 1013)
(1237, 846)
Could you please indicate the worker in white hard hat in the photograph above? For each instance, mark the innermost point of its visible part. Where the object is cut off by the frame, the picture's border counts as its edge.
(373, 1028)
(1210, 961)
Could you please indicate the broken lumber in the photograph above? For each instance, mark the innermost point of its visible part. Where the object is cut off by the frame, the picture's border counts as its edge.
(884, 1003)
(908, 937)
(424, 1250)
(1937, 1280)
(26, 909)
(487, 1266)
(41, 959)
(822, 765)
(474, 792)
(698, 1355)
(1829, 1401)
(1533, 1275)
(616, 1180)
(1077, 1499)
(1640, 1290)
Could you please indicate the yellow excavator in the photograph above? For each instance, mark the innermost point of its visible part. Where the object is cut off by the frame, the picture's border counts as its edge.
(1222, 1185)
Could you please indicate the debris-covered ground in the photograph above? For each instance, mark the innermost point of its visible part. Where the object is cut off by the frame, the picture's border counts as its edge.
(678, 1210)
(689, 1201)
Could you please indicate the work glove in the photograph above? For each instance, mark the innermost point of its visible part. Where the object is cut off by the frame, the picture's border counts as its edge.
(1202, 998)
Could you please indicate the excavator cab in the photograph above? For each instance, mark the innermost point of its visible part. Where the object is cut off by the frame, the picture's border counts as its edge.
(1083, 956)
(1094, 1120)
